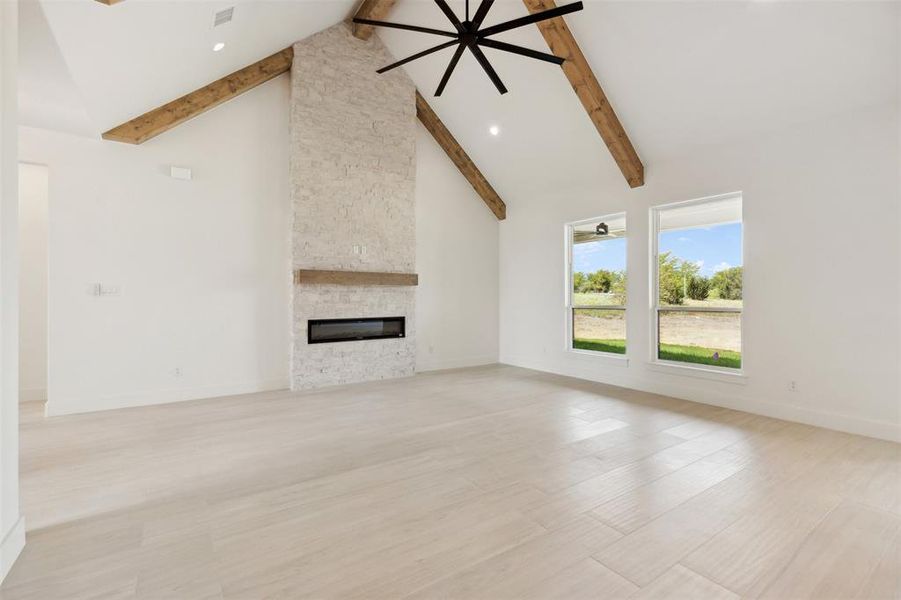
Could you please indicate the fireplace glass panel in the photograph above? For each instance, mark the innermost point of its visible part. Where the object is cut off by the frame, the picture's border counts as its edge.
(321, 331)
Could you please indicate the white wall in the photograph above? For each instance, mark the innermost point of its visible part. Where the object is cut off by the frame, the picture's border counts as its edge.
(12, 525)
(33, 194)
(821, 204)
(202, 266)
(457, 262)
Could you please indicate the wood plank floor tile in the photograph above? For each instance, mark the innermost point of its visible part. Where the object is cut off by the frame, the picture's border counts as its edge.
(587, 579)
(647, 553)
(485, 483)
(630, 511)
(513, 573)
(839, 557)
(680, 582)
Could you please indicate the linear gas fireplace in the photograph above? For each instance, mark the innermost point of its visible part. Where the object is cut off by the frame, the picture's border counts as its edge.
(323, 331)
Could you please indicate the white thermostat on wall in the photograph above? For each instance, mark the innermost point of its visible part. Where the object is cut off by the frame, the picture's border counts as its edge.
(183, 173)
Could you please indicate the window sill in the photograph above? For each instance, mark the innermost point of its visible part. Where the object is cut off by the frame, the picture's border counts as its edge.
(673, 368)
(615, 360)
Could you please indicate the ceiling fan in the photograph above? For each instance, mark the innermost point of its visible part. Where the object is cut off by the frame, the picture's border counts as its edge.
(469, 34)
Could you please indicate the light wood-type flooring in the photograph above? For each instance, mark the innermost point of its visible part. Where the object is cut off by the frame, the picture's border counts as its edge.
(488, 483)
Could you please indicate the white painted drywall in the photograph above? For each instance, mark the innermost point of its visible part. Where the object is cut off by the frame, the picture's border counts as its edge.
(457, 262)
(12, 525)
(202, 266)
(33, 180)
(821, 205)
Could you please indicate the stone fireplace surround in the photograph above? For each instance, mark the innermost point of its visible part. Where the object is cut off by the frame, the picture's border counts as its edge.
(353, 163)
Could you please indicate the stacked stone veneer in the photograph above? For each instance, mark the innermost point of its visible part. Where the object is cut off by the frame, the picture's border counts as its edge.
(353, 192)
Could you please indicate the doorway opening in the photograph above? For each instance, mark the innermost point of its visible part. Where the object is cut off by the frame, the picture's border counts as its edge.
(33, 281)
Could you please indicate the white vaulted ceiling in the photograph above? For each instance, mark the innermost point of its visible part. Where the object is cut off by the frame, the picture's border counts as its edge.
(48, 97)
(679, 74)
(138, 54)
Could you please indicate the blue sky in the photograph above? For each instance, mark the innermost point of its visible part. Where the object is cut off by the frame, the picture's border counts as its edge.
(609, 255)
(715, 248)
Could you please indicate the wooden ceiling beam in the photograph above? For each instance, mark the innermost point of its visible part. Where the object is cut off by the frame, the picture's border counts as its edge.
(371, 9)
(562, 43)
(576, 68)
(459, 157)
(161, 119)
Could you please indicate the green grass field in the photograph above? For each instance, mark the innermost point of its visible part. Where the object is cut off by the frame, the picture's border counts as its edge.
(689, 354)
(614, 346)
(596, 299)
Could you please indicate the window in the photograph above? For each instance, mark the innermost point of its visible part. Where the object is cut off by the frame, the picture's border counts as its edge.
(596, 284)
(698, 282)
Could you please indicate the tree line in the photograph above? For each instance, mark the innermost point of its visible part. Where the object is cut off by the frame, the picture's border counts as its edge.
(679, 279)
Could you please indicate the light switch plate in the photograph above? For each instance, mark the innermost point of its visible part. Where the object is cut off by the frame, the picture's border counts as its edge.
(104, 289)
(183, 173)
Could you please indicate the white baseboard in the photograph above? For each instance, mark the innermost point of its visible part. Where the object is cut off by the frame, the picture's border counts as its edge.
(67, 406)
(32, 395)
(11, 546)
(456, 363)
(799, 414)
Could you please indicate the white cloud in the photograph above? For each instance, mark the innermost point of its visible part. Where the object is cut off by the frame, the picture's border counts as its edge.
(708, 271)
(683, 239)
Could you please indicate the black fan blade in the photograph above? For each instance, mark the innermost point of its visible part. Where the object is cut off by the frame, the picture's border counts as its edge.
(482, 12)
(442, 4)
(492, 74)
(535, 18)
(522, 51)
(405, 27)
(418, 55)
(450, 69)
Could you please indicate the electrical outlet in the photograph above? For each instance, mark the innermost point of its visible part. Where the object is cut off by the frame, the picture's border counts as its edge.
(793, 386)
(177, 372)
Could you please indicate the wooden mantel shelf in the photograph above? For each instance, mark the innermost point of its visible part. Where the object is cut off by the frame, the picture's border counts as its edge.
(354, 277)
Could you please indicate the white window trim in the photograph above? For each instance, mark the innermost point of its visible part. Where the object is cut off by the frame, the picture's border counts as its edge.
(699, 371)
(690, 369)
(608, 357)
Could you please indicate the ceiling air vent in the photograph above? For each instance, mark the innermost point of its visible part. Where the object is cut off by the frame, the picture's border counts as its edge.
(223, 16)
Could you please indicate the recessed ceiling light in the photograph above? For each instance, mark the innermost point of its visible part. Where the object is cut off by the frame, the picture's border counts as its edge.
(219, 46)
(494, 130)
